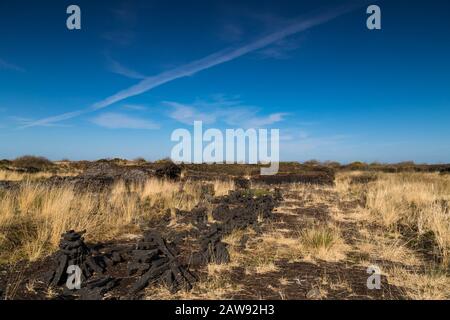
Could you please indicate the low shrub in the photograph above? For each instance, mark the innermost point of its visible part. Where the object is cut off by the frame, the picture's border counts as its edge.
(32, 163)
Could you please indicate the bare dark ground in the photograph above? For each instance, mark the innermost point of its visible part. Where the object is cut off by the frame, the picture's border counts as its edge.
(307, 280)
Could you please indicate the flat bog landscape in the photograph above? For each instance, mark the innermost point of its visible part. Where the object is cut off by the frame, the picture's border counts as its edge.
(224, 158)
(162, 231)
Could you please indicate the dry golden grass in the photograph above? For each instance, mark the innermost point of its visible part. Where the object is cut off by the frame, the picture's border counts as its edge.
(348, 191)
(263, 266)
(416, 202)
(20, 176)
(269, 248)
(377, 247)
(221, 188)
(401, 210)
(432, 284)
(261, 256)
(323, 242)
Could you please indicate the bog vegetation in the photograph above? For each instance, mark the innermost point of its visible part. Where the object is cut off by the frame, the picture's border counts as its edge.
(396, 216)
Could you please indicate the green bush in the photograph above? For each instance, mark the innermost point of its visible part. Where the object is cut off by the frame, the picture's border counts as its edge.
(358, 165)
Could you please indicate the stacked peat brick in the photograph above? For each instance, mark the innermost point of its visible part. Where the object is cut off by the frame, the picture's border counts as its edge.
(236, 211)
(155, 261)
(212, 249)
(73, 252)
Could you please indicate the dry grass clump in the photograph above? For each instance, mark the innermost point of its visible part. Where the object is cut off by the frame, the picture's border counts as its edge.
(265, 251)
(378, 247)
(33, 217)
(272, 247)
(347, 189)
(164, 194)
(415, 204)
(19, 176)
(323, 242)
(7, 175)
(430, 284)
(221, 188)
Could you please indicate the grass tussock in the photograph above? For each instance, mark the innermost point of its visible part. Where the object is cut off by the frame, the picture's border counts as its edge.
(323, 242)
(430, 284)
(417, 205)
(221, 188)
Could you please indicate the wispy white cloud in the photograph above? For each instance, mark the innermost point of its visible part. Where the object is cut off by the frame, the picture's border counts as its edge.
(10, 66)
(123, 121)
(231, 112)
(23, 122)
(188, 114)
(271, 119)
(248, 117)
(207, 62)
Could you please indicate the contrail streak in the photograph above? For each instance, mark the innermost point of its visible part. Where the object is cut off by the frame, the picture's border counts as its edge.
(200, 65)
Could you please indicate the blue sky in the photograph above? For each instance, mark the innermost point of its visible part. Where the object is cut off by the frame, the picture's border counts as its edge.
(140, 69)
